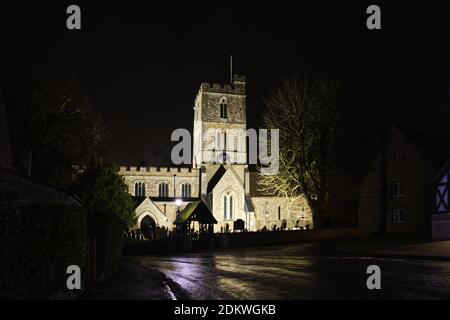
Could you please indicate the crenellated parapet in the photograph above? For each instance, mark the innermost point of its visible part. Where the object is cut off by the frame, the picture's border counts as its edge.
(163, 171)
(237, 87)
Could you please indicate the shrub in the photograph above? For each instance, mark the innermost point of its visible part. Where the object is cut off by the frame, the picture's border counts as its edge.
(38, 243)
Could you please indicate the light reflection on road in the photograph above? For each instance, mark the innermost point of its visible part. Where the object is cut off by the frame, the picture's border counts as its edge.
(303, 271)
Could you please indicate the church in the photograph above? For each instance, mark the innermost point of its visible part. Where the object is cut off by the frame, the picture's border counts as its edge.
(219, 176)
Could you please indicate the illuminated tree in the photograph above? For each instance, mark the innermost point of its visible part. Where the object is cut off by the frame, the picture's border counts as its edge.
(309, 112)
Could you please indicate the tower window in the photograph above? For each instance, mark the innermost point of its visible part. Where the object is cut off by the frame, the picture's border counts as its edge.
(224, 158)
(218, 146)
(223, 108)
(225, 141)
(163, 190)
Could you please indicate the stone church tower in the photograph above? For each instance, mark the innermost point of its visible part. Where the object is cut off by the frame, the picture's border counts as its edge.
(220, 124)
(220, 150)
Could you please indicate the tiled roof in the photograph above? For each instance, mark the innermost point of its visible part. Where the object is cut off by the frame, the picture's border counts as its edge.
(199, 211)
(27, 191)
(215, 178)
(436, 148)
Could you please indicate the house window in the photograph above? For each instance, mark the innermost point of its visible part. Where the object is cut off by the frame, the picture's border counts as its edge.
(398, 215)
(398, 189)
(223, 108)
(442, 194)
(163, 190)
(139, 189)
(279, 212)
(186, 190)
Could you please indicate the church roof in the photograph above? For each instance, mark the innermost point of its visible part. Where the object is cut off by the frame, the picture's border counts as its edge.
(436, 148)
(197, 211)
(215, 178)
(137, 201)
(249, 204)
(25, 191)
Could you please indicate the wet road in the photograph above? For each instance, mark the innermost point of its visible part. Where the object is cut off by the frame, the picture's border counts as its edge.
(304, 271)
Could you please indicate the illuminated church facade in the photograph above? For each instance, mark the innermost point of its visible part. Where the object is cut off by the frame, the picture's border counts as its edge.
(219, 175)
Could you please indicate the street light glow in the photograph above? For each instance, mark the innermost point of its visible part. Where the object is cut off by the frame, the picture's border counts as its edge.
(178, 202)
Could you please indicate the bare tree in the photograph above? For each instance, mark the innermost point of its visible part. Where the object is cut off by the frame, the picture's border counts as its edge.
(54, 124)
(309, 113)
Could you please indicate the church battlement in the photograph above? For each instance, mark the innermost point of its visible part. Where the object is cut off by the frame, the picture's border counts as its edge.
(237, 87)
(156, 170)
(239, 78)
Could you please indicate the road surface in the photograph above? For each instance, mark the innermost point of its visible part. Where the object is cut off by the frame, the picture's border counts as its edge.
(302, 271)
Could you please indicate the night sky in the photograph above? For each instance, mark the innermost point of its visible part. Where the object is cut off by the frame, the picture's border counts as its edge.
(142, 64)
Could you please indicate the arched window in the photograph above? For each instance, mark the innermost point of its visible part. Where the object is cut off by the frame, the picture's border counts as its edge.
(231, 208)
(223, 108)
(228, 206)
(186, 190)
(225, 215)
(225, 141)
(139, 189)
(218, 146)
(163, 190)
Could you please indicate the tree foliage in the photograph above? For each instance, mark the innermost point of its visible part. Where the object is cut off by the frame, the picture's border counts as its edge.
(104, 192)
(309, 112)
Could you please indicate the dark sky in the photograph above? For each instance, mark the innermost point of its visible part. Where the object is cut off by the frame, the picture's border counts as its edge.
(142, 64)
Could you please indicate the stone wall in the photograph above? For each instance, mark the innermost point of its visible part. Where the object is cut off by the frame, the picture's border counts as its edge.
(153, 176)
(406, 163)
(278, 212)
(370, 198)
